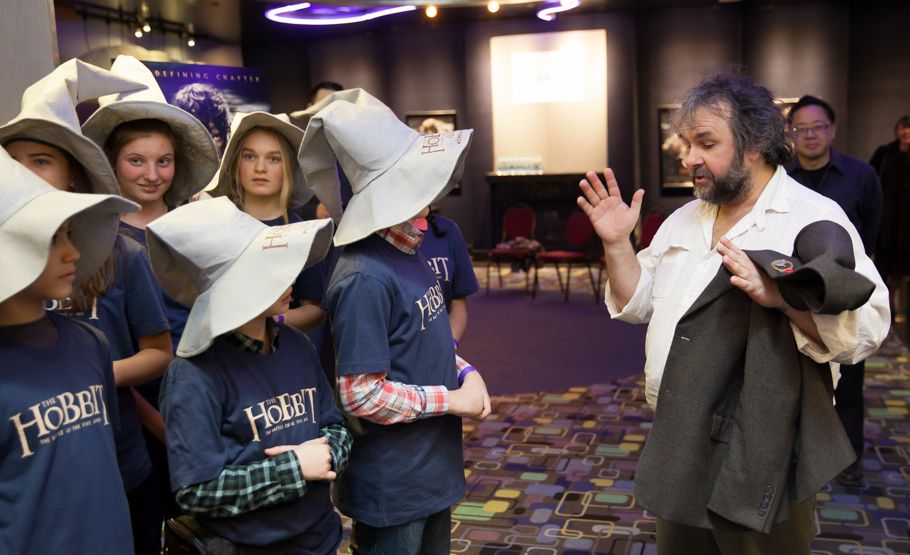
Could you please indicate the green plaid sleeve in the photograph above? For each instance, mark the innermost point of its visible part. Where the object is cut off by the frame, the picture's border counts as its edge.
(339, 444)
(240, 489)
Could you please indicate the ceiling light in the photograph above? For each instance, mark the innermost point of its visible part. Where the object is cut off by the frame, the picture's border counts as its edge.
(146, 27)
(564, 5)
(137, 33)
(431, 11)
(330, 15)
(493, 7)
(191, 42)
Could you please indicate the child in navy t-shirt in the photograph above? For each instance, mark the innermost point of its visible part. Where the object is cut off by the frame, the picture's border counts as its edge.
(61, 490)
(253, 435)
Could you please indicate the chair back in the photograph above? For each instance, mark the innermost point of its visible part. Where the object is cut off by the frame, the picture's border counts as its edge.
(649, 226)
(578, 230)
(518, 221)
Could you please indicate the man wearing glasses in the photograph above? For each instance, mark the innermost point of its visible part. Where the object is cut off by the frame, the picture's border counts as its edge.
(854, 185)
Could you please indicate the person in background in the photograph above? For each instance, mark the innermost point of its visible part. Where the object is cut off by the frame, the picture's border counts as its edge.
(853, 185)
(62, 491)
(892, 162)
(121, 299)
(398, 377)
(261, 176)
(446, 253)
(322, 90)
(162, 156)
(745, 433)
(253, 435)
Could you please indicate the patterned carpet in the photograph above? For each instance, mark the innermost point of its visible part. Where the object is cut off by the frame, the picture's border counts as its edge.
(552, 472)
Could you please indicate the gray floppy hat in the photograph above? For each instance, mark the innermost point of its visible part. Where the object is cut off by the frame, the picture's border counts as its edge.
(394, 171)
(48, 115)
(234, 275)
(196, 149)
(820, 275)
(31, 211)
(279, 123)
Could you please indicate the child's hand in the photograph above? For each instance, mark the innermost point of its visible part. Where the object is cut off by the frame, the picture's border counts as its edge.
(314, 456)
(471, 399)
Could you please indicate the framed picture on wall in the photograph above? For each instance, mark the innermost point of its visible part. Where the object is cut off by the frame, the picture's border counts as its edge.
(432, 122)
(674, 176)
(785, 104)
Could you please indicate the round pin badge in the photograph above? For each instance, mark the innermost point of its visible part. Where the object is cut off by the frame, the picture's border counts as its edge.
(782, 266)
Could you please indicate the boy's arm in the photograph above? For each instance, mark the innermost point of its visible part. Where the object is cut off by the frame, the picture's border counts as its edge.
(339, 444)
(240, 489)
(374, 398)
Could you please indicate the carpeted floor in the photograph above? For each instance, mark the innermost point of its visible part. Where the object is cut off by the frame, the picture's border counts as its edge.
(551, 472)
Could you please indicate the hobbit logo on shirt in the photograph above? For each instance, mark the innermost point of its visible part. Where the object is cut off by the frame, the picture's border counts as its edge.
(65, 306)
(440, 265)
(60, 415)
(282, 412)
(431, 304)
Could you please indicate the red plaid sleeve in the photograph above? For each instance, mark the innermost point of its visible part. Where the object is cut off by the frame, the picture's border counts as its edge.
(373, 397)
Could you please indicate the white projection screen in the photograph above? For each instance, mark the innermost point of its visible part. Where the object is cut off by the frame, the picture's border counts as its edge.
(550, 99)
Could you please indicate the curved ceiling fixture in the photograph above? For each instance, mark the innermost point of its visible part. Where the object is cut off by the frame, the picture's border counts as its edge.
(546, 14)
(331, 15)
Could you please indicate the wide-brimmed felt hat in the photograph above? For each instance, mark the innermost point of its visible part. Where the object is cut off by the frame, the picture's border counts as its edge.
(234, 275)
(394, 171)
(819, 276)
(240, 126)
(48, 115)
(31, 211)
(196, 149)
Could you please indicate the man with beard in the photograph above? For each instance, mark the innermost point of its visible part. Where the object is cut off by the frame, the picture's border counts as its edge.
(853, 185)
(740, 332)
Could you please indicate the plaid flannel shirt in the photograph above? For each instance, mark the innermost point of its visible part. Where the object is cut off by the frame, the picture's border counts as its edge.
(374, 398)
(273, 480)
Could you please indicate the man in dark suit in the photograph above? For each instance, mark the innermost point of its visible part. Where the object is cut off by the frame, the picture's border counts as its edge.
(737, 369)
(853, 185)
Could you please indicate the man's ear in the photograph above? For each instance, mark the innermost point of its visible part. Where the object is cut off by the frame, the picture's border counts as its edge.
(833, 131)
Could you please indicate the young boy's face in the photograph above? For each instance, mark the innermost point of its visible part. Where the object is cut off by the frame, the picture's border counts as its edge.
(56, 281)
(47, 162)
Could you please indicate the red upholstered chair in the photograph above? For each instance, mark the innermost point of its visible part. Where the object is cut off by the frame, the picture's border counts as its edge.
(518, 221)
(576, 251)
(649, 226)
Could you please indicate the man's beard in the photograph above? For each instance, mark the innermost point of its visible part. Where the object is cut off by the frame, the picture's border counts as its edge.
(726, 189)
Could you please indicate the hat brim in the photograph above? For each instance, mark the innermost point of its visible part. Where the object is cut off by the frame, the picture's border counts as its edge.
(199, 156)
(410, 185)
(101, 178)
(25, 238)
(254, 281)
(220, 186)
(821, 285)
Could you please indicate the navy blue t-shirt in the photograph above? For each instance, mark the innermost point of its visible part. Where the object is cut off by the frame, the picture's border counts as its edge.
(225, 406)
(310, 284)
(176, 313)
(60, 489)
(129, 310)
(388, 314)
(448, 257)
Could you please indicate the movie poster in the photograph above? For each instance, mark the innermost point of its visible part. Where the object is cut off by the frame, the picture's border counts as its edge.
(212, 93)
